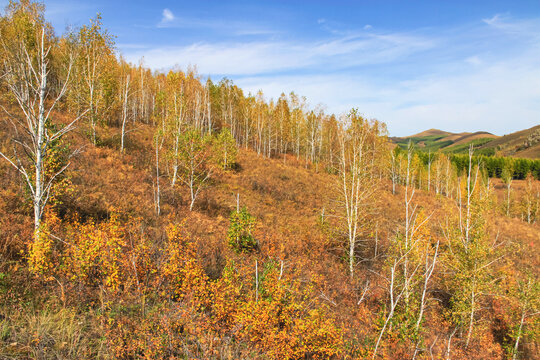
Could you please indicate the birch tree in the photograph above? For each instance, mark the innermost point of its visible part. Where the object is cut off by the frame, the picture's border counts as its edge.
(507, 178)
(429, 161)
(355, 188)
(27, 71)
(396, 290)
(527, 296)
(174, 110)
(124, 95)
(225, 149)
(470, 254)
(158, 144)
(95, 51)
(195, 163)
(412, 259)
(529, 202)
(408, 241)
(395, 159)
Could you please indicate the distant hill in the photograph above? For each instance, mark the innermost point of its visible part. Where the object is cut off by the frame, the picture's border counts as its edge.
(434, 140)
(430, 132)
(523, 144)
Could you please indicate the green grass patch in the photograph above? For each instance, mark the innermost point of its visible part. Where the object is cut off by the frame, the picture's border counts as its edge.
(463, 148)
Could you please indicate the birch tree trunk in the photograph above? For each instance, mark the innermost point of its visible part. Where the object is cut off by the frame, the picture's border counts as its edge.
(124, 111)
(26, 76)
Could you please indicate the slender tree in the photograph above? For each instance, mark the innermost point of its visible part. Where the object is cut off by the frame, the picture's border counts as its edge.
(196, 167)
(356, 191)
(26, 70)
(125, 94)
(95, 46)
(507, 177)
(471, 253)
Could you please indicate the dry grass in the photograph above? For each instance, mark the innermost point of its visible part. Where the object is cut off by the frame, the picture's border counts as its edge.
(287, 198)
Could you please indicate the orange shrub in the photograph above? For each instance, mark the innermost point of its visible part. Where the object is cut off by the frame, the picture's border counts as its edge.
(227, 293)
(96, 254)
(42, 257)
(279, 320)
(185, 276)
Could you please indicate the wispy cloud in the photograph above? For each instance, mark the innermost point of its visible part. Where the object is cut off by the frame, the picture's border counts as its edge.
(473, 77)
(500, 98)
(231, 27)
(492, 20)
(260, 57)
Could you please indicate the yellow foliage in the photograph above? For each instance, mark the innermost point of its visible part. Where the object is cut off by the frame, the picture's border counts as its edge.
(96, 252)
(187, 280)
(278, 319)
(40, 257)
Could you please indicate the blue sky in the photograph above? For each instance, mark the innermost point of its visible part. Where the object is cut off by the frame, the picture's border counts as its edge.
(455, 65)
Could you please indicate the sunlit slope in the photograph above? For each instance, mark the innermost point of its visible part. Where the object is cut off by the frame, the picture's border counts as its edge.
(523, 144)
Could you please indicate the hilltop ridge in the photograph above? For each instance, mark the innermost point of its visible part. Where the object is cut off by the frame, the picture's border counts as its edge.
(524, 143)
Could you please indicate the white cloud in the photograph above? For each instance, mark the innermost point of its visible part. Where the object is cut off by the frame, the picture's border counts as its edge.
(368, 27)
(519, 30)
(468, 78)
(259, 57)
(168, 16)
(493, 20)
(218, 25)
(500, 98)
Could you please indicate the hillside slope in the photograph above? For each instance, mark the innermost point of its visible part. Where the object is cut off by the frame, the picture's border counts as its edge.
(521, 144)
(153, 215)
(524, 143)
(434, 140)
(288, 198)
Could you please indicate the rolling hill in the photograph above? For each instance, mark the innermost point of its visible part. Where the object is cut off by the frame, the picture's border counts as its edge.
(522, 144)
